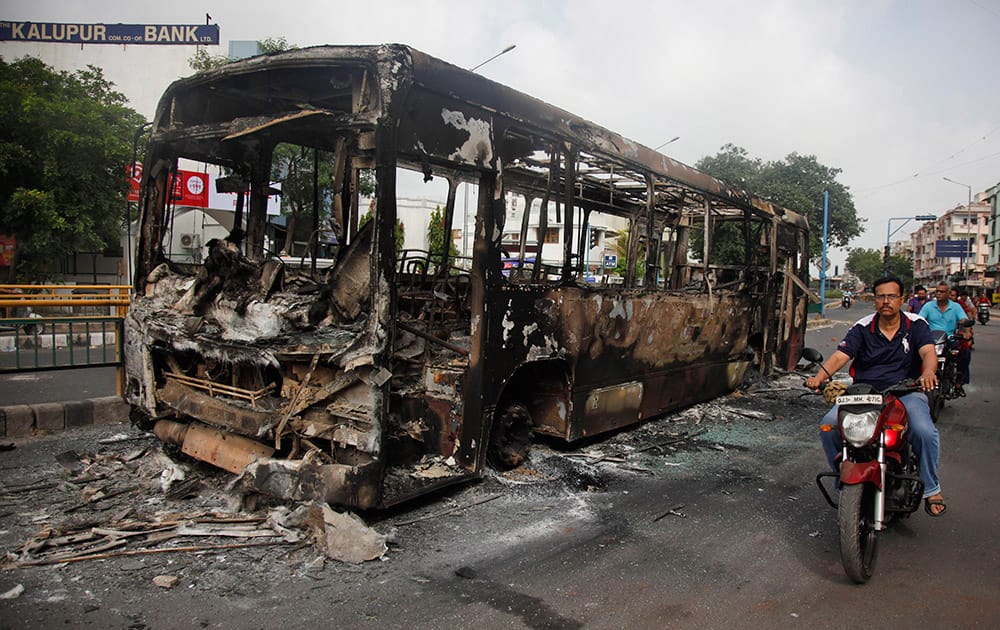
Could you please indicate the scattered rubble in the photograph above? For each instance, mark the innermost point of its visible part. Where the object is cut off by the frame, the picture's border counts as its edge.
(157, 514)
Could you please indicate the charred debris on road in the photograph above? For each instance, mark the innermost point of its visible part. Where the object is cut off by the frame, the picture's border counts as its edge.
(136, 497)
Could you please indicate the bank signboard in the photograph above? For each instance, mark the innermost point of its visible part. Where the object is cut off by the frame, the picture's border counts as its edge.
(75, 33)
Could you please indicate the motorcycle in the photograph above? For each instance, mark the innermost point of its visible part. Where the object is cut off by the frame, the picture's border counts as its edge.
(878, 476)
(946, 348)
(846, 301)
(983, 313)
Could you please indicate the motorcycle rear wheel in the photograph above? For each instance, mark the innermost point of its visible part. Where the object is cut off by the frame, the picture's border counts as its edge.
(858, 537)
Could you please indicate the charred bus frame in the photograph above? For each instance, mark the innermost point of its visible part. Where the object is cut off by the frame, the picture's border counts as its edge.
(393, 373)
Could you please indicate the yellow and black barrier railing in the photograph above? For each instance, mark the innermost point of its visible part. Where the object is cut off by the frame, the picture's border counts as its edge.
(57, 326)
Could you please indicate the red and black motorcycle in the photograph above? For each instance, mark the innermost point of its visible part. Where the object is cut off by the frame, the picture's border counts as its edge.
(878, 477)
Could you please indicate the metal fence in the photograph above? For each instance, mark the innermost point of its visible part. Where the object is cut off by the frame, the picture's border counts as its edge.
(56, 326)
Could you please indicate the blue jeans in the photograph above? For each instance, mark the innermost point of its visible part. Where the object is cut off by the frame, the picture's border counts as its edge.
(964, 361)
(923, 435)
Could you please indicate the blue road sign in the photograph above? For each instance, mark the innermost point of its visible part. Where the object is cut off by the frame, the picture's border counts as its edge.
(951, 249)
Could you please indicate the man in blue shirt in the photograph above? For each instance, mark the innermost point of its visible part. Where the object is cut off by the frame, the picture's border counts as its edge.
(942, 313)
(946, 314)
(887, 347)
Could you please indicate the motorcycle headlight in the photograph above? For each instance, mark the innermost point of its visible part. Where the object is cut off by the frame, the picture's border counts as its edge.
(859, 428)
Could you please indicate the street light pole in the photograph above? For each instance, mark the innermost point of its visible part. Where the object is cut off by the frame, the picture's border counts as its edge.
(502, 52)
(968, 221)
(889, 232)
(670, 141)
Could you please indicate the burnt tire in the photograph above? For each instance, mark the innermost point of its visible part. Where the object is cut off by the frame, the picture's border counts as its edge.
(510, 438)
(858, 537)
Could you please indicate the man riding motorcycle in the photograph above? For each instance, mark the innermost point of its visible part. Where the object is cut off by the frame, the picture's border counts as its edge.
(983, 306)
(887, 347)
(946, 314)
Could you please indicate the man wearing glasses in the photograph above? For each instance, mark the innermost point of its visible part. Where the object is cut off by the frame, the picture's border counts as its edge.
(887, 347)
(946, 314)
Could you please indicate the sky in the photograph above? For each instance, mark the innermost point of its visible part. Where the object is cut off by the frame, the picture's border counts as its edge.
(898, 94)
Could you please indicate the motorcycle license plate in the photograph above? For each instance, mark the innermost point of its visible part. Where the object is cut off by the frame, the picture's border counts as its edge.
(859, 399)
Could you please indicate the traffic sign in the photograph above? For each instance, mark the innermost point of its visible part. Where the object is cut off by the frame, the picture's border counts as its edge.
(951, 249)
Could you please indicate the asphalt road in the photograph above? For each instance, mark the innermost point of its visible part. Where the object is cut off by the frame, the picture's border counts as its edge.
(751, 544)
(26, 388)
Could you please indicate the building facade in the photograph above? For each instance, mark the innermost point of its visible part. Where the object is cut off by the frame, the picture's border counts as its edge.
(962, 223)
(992, 197)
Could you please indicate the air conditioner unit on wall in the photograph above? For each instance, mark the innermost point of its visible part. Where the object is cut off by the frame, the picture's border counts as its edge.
(191, 241)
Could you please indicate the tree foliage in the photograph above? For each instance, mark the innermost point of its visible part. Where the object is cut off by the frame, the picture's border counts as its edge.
(620, 246)
(868, 265)
(302, 185)
(399, 237)
(65, 144)
(902, 268)
(201, 60)
(437, 233)
(797, 183)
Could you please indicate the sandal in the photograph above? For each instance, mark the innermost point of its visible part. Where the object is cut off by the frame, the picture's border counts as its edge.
(928, 503)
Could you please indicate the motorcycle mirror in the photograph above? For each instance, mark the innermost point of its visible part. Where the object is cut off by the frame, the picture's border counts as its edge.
(812, 355)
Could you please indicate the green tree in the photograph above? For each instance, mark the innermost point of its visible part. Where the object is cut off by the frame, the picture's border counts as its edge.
(400, 236)
(869, 265)
(201, 60)
(620, 246)
(902, 268)
(866, 264)
(437, 233)
(295, 167)
(797, 183)
(270, 45)
(65, 145)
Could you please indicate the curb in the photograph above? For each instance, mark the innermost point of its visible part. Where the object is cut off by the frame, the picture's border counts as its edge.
(817, 323)
(18, 421)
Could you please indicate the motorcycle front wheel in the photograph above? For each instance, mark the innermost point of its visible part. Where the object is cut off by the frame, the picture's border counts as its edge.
(858, 537)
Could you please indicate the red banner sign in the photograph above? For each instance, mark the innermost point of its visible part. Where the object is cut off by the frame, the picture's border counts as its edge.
(189, 188)
(7, 246)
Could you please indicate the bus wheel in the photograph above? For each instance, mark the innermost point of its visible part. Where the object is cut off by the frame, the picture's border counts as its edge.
(510, 439)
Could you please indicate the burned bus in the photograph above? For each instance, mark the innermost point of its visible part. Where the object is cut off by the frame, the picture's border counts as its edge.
(379, 372)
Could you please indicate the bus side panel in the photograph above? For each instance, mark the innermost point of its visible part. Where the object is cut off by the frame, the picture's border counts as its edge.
(629, 355)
